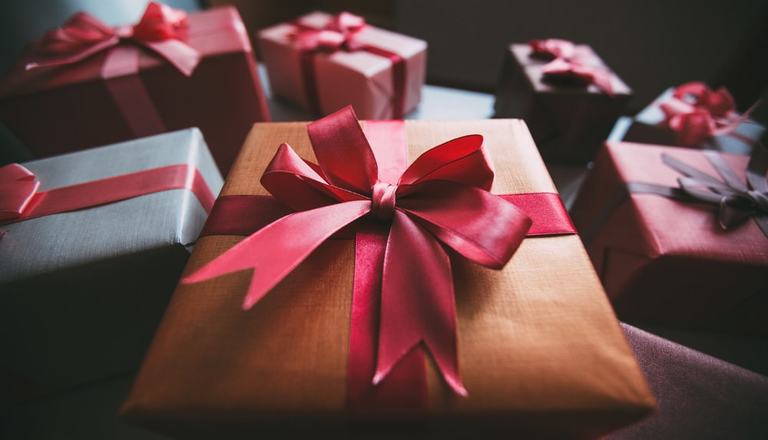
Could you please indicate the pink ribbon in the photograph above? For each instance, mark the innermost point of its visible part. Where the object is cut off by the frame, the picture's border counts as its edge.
(20, 198)
(695, 113)
(340, 34)
(570, 64)
(441, 200)
(161, 29)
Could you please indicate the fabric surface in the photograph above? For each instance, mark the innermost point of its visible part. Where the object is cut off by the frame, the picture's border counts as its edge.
(699, 397)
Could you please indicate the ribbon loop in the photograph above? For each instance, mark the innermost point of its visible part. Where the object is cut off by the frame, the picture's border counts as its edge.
(567, 63)
(18, 186)
(161, 29)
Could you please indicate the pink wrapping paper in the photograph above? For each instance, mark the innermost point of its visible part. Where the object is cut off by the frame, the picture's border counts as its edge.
(360, 79)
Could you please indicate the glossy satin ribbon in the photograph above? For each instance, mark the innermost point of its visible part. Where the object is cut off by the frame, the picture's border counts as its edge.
(405, 218)
(568, 63)
(736, 201)
(20, 198)
(695, 113)
(339, 34)
(161, 30)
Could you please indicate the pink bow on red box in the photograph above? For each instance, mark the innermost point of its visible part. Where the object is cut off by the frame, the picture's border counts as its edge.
(161, 29)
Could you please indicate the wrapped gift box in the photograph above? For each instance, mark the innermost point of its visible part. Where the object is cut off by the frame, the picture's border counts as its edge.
(699, 396)
(649, 127)
(539, 348)
(569, 122)
(668, 262)
(51, 110)
(361, 78)
(81, 292)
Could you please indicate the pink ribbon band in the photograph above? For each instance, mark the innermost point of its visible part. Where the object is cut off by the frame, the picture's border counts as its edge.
(402, 217)
(20, 199)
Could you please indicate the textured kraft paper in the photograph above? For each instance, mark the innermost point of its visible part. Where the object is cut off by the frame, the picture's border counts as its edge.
(360, 79)
(540, 349)
(81, 292)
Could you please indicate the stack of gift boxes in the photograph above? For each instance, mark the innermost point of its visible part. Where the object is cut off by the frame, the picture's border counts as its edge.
(362, 272)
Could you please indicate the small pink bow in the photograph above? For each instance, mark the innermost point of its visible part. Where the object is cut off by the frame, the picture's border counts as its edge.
(161, 30)
(18, 186)
(570, 64)
(695, 113)
(338, 33)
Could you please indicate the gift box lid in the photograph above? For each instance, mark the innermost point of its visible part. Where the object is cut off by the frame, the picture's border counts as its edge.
(216, 31)
(676, 228)
(60, 242)
(538, 343)
(534, 72)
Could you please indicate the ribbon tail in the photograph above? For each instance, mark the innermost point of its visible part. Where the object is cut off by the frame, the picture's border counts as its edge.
(259, 251)
(73, 58)
(417, 305)
(179, 54)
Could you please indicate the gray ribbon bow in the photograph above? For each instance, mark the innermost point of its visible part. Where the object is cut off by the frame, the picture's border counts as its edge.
(737, 201)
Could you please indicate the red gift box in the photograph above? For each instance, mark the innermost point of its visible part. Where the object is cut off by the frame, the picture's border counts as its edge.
(670, 262)
(64, 108)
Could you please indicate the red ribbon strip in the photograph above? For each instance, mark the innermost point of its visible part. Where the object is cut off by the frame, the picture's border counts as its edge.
(340, 34)
(695, 113)
(20, 199)
(411, 215)
(162, 30)
(569, 63)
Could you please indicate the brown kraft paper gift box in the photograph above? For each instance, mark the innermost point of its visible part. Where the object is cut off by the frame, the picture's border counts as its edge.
(568, 122)
(539, 347)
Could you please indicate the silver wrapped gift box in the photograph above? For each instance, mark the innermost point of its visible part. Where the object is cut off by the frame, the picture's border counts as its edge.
(81, 292)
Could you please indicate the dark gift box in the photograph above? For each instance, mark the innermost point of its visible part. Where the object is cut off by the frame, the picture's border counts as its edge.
(132, 91)
(81, 291)
(569, 121)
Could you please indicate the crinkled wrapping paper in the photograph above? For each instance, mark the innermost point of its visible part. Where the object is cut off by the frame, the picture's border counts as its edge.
(540, 349)
(81, 292)
(568, 123)
(360, 79)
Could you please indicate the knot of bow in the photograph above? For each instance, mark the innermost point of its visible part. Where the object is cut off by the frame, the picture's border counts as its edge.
(695, 112)
(737, 200)
(339, 33)
(440, 201)
(161, 29)
(568, 63)
(18, 186)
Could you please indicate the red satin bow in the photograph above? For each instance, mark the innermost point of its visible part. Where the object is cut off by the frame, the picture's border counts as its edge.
(161, 30)
(695, 113)
(441, 200)
(568, 63)
(17, 188)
